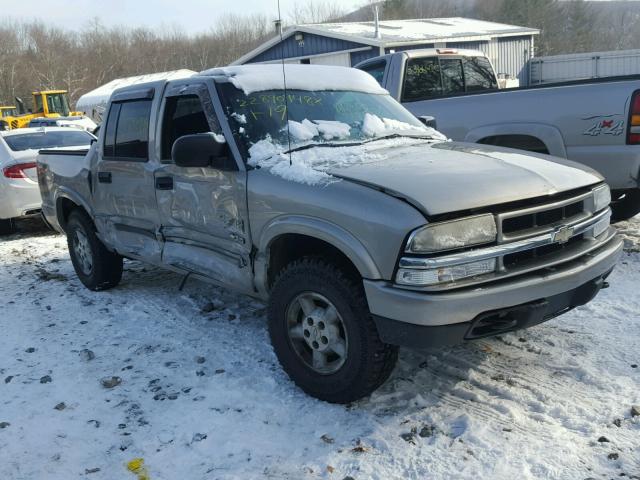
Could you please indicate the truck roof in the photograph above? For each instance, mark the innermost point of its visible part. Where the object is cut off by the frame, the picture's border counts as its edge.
(427, 52)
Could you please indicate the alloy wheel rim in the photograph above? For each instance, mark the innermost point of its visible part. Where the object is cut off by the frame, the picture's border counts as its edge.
(82, 250)
(317, 333)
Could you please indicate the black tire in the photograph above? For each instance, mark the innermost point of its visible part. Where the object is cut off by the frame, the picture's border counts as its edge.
(106, 266)
(368, 361)
(7, 226)
(626, 207)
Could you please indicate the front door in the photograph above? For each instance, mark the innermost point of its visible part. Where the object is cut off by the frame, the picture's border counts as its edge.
(124, 192)
(202, 210)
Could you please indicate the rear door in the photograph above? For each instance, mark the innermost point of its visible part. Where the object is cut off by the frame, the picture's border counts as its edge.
(203, 212)
(125, 205)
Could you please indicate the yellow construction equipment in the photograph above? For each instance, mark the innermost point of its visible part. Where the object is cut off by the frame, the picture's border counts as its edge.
(46, 103)
(8, 111)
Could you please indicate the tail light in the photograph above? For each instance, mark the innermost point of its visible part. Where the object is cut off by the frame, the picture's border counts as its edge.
(17, 171)
(633, 132)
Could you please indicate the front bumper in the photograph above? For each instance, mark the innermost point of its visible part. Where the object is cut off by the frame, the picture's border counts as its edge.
(406, 317)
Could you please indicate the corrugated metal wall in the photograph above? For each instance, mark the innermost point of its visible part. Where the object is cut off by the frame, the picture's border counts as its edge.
(513, 57)
(562, 68)
(312, 45)
(357, 57)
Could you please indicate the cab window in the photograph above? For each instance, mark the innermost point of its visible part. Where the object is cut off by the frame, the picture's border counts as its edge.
(376, 70)
(478, 75)
(422, 79)
(183, 115)
(127, 130)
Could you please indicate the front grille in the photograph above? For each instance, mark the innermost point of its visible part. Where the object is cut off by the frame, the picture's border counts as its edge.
(536, 220)
(544, 218)
(539, 220)
(516, 259)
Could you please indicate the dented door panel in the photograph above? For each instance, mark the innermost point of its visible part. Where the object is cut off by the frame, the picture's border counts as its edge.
(203, 217)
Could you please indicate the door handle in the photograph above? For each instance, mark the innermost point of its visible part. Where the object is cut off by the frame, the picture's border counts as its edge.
(104, 177)
(164, 183)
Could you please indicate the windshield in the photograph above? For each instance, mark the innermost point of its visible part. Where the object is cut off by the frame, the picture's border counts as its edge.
(320, 117)
(41, 140)
(58, 103)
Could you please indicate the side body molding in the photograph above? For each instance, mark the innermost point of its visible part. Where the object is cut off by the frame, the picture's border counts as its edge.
(548, 134)
(317, 228)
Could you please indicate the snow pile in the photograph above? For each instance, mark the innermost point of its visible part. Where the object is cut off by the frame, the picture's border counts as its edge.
(328, 129)
(374, 126)
(258, 78)
(239, 117)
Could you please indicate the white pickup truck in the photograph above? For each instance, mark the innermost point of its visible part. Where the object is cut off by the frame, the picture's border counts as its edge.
(594, 122)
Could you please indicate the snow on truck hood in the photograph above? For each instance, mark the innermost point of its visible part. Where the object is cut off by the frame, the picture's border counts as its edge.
(258, 78)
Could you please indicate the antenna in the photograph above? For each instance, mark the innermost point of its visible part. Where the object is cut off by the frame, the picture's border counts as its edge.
(284, 79)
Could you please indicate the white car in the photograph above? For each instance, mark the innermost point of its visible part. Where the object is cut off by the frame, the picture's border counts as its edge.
(19, 192)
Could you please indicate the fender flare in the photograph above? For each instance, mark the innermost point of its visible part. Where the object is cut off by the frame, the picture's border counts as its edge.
(65, 193)
(547, 134)
(323, 230)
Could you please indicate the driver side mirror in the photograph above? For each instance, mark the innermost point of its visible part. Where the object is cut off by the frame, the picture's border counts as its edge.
(199, 150)
(428, 121)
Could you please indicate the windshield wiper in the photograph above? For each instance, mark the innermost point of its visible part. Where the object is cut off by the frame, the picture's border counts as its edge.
(327, 144)
(400, 135)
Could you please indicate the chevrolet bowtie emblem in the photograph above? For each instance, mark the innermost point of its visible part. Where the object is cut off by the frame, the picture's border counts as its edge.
(563, 234)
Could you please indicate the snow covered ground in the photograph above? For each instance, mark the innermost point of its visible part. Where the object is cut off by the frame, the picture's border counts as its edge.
(199, 393)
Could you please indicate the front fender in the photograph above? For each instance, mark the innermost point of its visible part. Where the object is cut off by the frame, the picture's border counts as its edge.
(547, 134)
(317, 228)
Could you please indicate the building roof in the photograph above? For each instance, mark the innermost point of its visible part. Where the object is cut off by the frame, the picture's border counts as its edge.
(393, 33)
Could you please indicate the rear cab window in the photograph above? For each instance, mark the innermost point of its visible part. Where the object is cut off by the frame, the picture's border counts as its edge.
(127, 131)
(432, 77)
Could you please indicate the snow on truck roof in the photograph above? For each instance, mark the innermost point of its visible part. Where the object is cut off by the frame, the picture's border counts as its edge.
(258, 78)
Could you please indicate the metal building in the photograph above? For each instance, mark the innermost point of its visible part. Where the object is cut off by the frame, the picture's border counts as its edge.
(508, 47)
(582, 66)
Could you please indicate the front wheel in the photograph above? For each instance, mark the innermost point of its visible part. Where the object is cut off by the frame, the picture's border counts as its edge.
(96, 267)
(323, 334)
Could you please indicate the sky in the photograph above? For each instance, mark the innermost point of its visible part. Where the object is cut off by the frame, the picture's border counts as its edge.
(197, 15)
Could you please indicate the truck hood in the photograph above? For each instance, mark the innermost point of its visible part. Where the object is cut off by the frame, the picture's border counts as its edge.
(453, 176)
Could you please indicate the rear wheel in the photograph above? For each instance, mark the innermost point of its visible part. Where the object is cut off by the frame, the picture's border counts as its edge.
(626, 205)
(323, 334)
(96, 267)
(7, 226)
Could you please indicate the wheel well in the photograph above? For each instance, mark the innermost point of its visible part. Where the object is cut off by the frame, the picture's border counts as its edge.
(522, 142)
(64, 208)
(290, 247)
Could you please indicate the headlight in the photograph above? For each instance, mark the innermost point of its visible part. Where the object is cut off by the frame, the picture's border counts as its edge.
(407, 276)
(601, 197)
(461, 233)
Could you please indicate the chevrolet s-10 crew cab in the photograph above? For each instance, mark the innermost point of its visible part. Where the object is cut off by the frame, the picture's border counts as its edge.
(362, 228)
